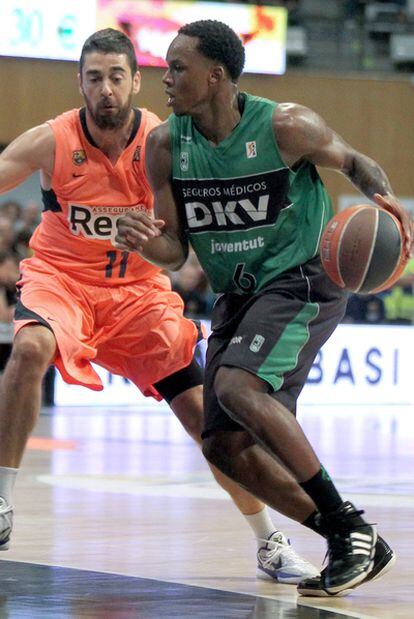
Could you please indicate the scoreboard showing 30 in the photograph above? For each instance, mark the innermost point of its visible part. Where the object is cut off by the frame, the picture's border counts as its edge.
(45, 28)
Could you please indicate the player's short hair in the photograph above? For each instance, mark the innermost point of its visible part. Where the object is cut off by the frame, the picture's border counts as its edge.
(109, 41)
(218, 42)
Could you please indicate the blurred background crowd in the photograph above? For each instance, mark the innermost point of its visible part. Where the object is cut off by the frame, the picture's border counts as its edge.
(17, 223)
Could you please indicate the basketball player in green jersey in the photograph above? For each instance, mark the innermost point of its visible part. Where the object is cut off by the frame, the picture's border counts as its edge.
(235, 176)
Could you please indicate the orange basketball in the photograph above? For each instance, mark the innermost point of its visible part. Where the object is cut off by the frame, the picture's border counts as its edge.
(362, 249)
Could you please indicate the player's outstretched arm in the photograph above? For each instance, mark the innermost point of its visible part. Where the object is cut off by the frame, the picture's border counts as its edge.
(303, 134)
(160, 240)
(31, 151)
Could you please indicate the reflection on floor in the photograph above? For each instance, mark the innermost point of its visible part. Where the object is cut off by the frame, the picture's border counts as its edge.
(39, 591)
(126, 495)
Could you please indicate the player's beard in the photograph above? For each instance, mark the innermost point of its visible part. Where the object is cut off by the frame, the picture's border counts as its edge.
(114, 121)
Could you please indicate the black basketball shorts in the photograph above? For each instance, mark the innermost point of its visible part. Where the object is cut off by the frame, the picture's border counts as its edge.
(274, 334)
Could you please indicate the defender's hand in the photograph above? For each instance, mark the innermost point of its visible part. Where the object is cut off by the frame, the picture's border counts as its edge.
(135, 230)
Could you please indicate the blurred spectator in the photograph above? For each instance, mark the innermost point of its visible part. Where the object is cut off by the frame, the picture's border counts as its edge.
(25, 226)
(399, 301)
(21, 244)
(17, 225)
(191, 284)
(365, 309)
(29, 218)
(9, 274)
(12, 210)
(7, 235)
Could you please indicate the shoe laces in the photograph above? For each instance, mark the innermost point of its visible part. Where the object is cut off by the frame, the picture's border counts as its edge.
(338, 546)
(279, 549)
(351, 513)
(339, 539)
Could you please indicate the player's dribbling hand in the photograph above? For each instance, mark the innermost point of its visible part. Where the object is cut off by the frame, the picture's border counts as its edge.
(135, 230)
(391, 204)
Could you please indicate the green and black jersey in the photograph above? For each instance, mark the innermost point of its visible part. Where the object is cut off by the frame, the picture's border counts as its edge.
(247, 215)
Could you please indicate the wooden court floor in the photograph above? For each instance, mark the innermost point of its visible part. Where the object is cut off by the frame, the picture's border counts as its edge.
(117, 516)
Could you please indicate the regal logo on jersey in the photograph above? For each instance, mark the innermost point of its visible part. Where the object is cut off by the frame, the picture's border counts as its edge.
(79, 157)
(98, 222)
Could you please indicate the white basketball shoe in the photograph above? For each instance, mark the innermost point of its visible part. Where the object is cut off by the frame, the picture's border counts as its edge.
(279, 561)
(6, 523)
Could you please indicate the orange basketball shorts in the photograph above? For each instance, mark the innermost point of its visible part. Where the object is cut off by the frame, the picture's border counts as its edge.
(137, 331)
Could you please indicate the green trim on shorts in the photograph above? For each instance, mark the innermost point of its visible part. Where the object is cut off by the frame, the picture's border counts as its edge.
(284, 355)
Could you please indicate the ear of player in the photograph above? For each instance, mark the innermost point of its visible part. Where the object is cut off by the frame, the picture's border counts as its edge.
(362, 249)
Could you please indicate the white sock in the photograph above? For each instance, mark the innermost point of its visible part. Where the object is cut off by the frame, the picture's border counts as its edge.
(7, 480)
(261, 524)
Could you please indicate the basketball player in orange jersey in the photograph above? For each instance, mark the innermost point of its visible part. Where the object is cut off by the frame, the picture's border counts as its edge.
(81, 300)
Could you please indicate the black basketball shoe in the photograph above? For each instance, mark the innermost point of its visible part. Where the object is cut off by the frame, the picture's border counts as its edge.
(351, 548)
(384, 559)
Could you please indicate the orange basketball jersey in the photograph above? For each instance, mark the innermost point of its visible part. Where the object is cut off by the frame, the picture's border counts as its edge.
(87, 197)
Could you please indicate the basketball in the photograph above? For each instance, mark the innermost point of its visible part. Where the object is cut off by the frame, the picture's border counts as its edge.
(362, 249)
